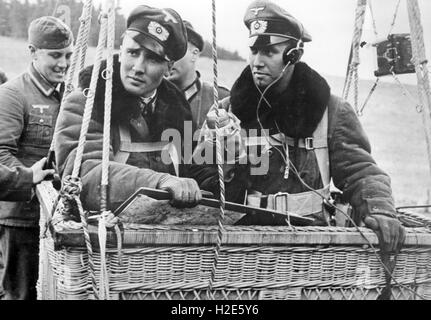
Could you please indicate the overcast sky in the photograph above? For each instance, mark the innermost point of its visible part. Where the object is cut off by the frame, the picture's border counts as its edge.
(330, 22)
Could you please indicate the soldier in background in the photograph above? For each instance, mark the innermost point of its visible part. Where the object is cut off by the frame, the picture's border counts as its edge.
(29, 106)
(199, 94)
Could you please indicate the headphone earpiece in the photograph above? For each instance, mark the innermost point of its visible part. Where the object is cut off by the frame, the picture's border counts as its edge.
(293, 55)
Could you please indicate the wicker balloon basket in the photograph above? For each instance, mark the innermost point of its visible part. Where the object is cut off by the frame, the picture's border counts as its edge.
(176, 262)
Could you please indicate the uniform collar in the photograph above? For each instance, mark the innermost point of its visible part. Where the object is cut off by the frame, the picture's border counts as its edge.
(149, 101)
(40, 81)
(194, 88)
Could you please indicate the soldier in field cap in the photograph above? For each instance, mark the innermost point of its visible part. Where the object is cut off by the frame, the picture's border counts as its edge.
(313, 135)
(29, 107)
(199, 93)
(144, 105)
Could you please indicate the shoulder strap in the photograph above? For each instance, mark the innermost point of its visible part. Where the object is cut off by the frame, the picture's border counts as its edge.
(127, 147)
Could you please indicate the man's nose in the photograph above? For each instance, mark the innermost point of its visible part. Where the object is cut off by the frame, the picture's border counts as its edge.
(258, 60)
(139, 64)
(63, 62)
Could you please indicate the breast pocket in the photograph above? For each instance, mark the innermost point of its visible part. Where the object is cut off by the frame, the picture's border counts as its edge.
(39, 130)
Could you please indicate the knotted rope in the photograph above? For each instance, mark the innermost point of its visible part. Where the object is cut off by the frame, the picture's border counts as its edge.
(221, 219)
(72, 184)
(72, 187)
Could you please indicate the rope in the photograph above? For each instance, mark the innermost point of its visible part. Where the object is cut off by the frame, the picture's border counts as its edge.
(419, 59)
(406, 93)
(221, 219)
(374, 87)
(376, 34)
(388, 267)
(354, 59)
(81, 42)
(103, 223)
(90, 94)
(72, 186)
(391, 28)
(107, 74)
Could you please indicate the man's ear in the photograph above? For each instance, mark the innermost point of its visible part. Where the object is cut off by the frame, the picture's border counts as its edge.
(33, 50)
(170, 65)
(168, 69)
(120, 54)
(195, 53)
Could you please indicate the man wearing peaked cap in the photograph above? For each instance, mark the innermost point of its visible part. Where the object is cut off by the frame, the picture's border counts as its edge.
(199, 93)
(144, 106)
(29, 106)
(313, 136)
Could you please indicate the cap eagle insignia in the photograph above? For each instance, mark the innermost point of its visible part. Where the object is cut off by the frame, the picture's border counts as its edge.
(257, 10)
(157, 30)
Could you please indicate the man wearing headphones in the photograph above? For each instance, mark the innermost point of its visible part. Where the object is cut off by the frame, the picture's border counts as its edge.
(309, 135)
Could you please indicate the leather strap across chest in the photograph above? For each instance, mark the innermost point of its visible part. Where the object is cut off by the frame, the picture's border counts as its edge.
(127, 147)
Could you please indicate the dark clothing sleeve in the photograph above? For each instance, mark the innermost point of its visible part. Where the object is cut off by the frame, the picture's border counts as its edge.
(15, 183)
(124, 179)
(12, 125)
(354, 171)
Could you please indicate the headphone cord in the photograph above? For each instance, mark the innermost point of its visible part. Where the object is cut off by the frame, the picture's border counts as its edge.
(295, 171)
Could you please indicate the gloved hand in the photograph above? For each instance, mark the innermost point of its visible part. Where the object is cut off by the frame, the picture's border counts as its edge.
(185, 192)
(390, 232)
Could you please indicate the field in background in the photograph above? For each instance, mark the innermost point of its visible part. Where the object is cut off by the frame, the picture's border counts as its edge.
(393, 126)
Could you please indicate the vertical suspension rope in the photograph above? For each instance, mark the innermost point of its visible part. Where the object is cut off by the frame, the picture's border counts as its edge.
(422, 74)
(219, 156)
(107, 74)
(81, 42)
(81, 144)
(90, 93)
(394, 19)
(370, 5)
(355, 59)
(85, 34)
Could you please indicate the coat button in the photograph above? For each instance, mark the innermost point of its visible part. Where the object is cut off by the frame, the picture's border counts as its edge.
(41, 121)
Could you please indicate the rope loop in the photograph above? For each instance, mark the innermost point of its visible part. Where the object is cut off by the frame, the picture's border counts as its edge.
(88, 93)
(102, 15)
(106, 74)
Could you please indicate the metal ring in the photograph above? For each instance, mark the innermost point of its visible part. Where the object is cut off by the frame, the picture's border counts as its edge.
(102, 15)
(106, 74)
(87, 93)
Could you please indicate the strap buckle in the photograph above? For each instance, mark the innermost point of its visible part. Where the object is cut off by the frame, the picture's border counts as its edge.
(309, 144)
(280, 202)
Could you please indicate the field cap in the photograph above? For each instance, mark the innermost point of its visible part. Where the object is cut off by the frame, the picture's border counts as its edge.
(194, 37)
(270, 24)
(49, 33)
(164, 26)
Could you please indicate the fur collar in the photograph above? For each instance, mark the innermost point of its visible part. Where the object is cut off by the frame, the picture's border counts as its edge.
(298, 110)
(171, 104)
